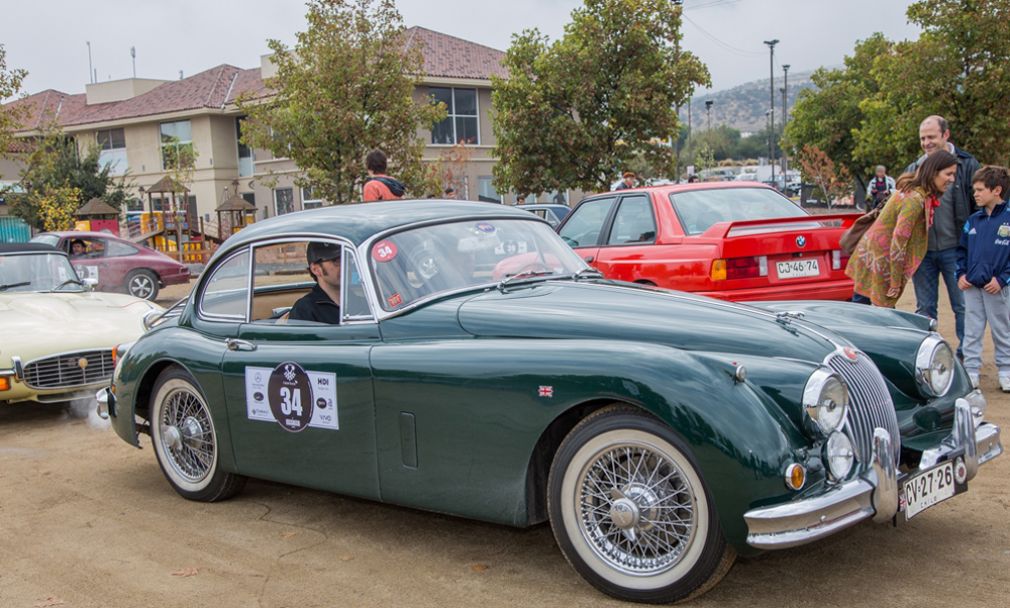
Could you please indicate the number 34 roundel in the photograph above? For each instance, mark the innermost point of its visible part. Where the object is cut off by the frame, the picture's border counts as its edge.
(290, 395)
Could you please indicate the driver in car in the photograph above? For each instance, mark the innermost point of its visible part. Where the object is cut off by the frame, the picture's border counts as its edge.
(322, 303)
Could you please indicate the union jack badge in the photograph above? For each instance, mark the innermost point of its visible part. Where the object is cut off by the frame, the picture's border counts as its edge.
(546, 391)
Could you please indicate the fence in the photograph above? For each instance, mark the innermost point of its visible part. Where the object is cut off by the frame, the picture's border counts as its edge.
(14, 230)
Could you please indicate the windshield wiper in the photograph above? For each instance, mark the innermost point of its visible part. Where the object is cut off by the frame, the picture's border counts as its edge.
(13, 285)
(525, 273)
(67, 282)
(587, 273)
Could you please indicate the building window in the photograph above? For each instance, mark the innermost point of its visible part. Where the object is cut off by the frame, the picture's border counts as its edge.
(177, 145)
(134, 204)
(486, 191)
(245, 153)
(460, 125)
(309, 201)
(284, 201)
(112, 143)
(250, 197)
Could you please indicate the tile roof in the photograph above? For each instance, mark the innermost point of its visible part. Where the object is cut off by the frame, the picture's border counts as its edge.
(444, 56)
(452, 57)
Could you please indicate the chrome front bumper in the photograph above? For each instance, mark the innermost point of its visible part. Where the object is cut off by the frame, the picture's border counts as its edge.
(875, 494)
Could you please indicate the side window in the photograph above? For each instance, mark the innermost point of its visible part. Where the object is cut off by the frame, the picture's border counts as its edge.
(119, 249)
(633, 222)
(280, 277)
(583, 228)
(355, 304)
(227, 289)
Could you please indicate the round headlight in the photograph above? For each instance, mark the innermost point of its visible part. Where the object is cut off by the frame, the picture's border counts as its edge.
(840, 456)
(825, 400)
(934, 366)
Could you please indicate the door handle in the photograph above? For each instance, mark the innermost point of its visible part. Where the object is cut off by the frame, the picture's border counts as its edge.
(234, 344)
(589, 259)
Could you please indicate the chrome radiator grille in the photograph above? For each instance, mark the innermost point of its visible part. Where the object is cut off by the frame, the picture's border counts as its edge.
(70, 370)
(870, 401)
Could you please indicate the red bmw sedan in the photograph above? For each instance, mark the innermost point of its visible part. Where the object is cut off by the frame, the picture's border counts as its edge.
(117, 264)
(727, 240)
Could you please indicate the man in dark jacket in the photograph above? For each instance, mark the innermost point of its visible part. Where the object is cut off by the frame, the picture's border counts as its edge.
(956, 205)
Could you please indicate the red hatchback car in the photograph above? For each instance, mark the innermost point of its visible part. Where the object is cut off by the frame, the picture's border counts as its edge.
(734, 241)
(117, 264)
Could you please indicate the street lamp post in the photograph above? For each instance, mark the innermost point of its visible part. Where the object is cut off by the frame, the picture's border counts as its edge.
(708, 112)
(785, 114)
(771, 117)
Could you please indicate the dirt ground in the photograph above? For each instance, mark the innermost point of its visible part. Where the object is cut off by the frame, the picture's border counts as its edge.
(88, 521)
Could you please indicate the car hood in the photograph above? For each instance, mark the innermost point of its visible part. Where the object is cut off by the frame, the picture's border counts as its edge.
(36, 324)
(624, 311)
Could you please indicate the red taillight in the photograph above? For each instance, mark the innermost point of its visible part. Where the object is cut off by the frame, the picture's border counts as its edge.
(747, 268)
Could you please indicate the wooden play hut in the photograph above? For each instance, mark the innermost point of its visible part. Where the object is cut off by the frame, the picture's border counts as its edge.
(99, 216)
(235, 213)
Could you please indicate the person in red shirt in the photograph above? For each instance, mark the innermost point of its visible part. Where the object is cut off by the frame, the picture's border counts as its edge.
(379, 186)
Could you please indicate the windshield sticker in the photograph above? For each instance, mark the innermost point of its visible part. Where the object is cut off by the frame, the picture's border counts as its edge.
(394, 300)
(384, 251)
(87, 272)
(486, 228)
(511, 248)
(292, 397)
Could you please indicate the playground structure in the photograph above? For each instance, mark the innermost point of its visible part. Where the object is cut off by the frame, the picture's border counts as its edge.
(173, 228)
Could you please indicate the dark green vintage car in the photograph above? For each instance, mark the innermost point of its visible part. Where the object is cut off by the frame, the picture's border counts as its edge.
(482, 369)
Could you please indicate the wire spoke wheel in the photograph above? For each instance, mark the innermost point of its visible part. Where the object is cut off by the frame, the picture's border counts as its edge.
(185, 440)
(631, 512)
(636, 509)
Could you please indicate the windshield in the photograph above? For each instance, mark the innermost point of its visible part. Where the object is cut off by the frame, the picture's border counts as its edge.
(37, 272)
(699, 210)
(419, 263)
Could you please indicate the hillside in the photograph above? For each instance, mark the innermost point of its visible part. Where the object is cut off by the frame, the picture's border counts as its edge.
(743, 107)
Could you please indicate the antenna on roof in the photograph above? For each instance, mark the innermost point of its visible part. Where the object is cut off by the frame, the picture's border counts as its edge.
(90, 68)
(133, 54)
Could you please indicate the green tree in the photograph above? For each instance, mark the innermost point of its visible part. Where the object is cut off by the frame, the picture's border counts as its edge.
(55, 207)
(54, 168)
(829, 117)
(574, 112)
(10, 86)
(345, 88)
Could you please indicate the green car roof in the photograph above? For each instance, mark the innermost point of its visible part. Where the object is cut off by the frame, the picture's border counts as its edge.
(360, 221)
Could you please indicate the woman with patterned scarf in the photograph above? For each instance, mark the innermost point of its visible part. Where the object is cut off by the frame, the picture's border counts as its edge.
(892, 249)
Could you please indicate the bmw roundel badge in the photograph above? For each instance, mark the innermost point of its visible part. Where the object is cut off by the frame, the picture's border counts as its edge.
(801, 241)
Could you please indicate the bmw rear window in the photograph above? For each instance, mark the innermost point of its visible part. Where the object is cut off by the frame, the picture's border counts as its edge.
(699, 210)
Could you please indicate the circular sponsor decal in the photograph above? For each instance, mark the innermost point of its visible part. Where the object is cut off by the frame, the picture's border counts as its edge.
(485, 227)
(258, 396)
(290, 396)
(511, 248)
(384, 251)
(321, 403)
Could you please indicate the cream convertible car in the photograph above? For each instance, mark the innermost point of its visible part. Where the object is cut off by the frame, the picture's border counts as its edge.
(57, 334)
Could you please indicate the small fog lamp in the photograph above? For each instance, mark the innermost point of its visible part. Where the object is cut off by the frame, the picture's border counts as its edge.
(795, 476)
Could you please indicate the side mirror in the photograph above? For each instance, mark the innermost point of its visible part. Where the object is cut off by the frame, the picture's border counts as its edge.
(90, 283)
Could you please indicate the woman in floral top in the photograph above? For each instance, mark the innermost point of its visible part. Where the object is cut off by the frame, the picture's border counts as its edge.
(892, 249)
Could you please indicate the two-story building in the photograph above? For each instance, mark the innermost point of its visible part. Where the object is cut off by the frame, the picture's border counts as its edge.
(143, 126)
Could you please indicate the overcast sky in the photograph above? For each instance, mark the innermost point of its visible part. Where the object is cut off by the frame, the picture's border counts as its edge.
(48, 37)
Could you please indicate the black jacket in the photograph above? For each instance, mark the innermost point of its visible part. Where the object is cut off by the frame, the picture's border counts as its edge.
(960, 197)
(316, 306)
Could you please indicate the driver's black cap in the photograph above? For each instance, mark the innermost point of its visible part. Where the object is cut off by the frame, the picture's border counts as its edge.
(320, 252)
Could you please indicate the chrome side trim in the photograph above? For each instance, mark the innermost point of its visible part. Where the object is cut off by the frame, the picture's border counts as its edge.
(19, 368)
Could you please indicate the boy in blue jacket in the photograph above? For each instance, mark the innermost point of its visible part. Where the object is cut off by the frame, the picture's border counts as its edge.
(983, 272)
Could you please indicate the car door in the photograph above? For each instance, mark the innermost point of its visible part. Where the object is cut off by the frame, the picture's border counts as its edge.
(299, 393)
(583, 227)
(119, 261)
(628, 247)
